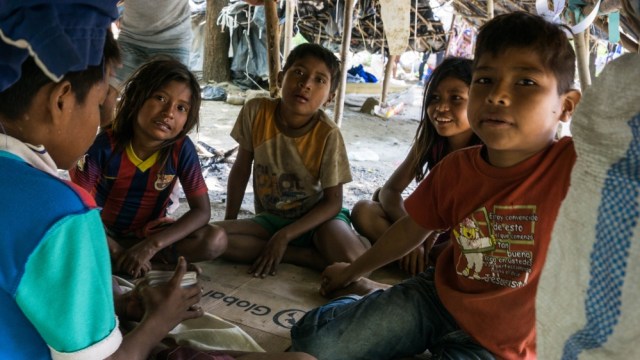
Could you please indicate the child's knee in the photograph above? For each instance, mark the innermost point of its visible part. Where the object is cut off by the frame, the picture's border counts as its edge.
(358, 210)
(216, 241)
(363, 213)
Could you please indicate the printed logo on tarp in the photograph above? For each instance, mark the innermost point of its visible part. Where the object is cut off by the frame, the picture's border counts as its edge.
(288, 318)
(284, 318)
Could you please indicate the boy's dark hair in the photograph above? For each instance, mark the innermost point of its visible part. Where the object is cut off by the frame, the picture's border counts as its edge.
(430, 146)
(16, 100)
(319, 52)
(524, 30)
(148, 78)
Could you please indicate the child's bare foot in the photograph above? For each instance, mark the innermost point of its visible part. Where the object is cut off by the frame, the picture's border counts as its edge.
(362, 287)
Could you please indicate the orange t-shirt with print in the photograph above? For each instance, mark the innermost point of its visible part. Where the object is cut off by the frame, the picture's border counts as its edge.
(501, 221)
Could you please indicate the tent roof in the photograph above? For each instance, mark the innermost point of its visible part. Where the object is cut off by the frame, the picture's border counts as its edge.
(320, 21)
(475, 12)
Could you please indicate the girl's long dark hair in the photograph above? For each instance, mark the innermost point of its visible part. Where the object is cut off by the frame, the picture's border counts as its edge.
(147, 79)
(430, 147)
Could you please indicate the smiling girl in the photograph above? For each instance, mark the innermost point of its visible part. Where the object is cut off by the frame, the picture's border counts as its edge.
(134, 164)
(444, 128)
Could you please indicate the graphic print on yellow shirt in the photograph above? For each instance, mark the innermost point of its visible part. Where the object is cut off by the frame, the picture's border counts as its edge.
(283, 192)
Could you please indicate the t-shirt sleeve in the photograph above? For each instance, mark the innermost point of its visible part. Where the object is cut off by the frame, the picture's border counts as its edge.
(335, 169)
(190, 172)
(241, 131)
(423, 203)
(66, 290)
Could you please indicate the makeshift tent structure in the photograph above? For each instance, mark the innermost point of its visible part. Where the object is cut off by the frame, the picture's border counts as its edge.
(323, 21)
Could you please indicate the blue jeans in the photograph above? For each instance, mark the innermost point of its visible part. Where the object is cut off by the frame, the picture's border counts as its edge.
(134, 55)
(404, 320)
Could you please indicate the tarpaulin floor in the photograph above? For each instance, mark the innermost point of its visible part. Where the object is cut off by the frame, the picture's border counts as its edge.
(267, 308)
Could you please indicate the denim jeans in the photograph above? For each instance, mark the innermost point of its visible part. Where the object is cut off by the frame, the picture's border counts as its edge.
(404, 320)
(135, 55)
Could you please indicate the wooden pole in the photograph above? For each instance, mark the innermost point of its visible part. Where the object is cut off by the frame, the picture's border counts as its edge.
(349, 6)
(273, 45)
(490, 9)
(288, 27)
(582, 55)
(415, 28)
(387, 76)
(451, 32)
(216, 45)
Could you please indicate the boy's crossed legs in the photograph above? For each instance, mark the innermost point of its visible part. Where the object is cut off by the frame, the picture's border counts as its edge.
(332, 241)
(206, 243)
(404, 320)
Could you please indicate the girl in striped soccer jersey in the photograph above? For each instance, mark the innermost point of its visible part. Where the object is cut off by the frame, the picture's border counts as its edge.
(132, 168)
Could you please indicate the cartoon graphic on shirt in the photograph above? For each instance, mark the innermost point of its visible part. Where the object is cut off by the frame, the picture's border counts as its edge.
(497, 245)
(473, 245)
(288, 188)
(279, 191)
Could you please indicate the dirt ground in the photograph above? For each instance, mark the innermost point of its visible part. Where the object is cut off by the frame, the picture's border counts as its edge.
(375, 145)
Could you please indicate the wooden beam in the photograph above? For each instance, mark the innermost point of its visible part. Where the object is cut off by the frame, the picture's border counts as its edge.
(216, 64)
(447, 46)
(375, 29)
(582, 55)
(608, 6)
(273, 45)
(349, 6)
(288, 27)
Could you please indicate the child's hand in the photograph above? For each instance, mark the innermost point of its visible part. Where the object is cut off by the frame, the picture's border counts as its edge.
(334, 277)
(132, 308)
(136, 261)
(169, 304)
(271, 256)
(415, 262)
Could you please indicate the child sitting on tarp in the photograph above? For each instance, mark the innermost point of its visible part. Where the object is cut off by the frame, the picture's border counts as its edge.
(299, 167)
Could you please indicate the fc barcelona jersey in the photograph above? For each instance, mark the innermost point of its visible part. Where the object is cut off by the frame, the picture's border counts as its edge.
(132, 191)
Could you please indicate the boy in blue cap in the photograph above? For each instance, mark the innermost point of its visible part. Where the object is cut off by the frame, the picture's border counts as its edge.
(56, 291)
(55, 277)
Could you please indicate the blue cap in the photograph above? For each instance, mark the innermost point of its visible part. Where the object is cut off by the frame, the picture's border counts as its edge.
(62, 36)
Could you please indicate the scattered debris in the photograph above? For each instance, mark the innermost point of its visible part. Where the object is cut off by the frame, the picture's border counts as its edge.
(211, 158)
(235, 100)
(216, 93)
(389, 110)
(369, 105)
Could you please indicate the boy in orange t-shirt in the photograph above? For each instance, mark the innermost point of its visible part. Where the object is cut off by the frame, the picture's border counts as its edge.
(500, 200)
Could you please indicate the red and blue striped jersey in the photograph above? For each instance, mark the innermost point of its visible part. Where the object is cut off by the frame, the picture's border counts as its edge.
(133, 192)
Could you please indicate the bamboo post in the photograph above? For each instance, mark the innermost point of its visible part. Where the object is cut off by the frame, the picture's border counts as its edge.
(415, 27)
(582, 55)
(349, 6)
(451, 32)
(273, 45)
(387, 76)
(288, 27)
(490, 9)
